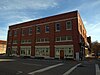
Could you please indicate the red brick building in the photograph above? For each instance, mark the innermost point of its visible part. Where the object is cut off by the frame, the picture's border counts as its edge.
(58, 36)
(2, 46)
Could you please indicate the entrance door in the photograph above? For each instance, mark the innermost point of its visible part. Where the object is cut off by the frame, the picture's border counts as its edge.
(28, 52)
(61, 54)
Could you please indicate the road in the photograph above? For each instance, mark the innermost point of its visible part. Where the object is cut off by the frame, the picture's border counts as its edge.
(19, 66)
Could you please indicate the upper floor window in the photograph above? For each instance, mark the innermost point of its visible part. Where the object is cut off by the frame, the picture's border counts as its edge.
(15, 41)
(38, 39)
(68, 25)
(38, 29)
(30, 31)
(47, 28)
(23, 32)
(57, 26)
(63, 38)
(69, 38)
(46, 39)
(15, 32)
(42, 40)
(29, 41)
(58, 38)
(10, 33)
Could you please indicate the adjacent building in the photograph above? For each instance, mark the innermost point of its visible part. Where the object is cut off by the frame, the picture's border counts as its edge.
(2, 47)
(59, 36)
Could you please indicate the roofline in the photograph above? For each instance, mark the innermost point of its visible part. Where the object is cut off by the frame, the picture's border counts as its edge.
(45, 18)
(3, 42)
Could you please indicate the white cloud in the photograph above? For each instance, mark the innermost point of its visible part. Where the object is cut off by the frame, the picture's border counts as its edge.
(17, 11)
(89, 5)
(26, 4)
(4, 30)
(21, 19)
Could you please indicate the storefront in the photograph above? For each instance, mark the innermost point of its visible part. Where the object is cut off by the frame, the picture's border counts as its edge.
(64, 51)
(25, 51)
(42, 51)
(14, 51)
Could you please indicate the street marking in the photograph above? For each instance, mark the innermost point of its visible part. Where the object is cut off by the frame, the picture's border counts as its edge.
(97, 69)
(7, 60)
(44, 69)
(70, 70)
(32, 64)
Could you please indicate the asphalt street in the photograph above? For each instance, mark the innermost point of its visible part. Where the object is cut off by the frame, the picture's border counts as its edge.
(19, 66)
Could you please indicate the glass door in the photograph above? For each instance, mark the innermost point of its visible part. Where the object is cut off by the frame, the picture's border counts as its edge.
(28, 52)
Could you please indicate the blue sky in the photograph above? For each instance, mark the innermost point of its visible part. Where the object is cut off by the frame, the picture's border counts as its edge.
(17, 11)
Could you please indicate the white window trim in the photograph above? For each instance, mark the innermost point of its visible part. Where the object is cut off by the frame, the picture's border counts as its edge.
(14, 48)
(63, 46)
(25, 49)
(26, 41)
(25, 46)
(29, 29)
(37, 30)
(15, 41)
(62, 40)
(42, 46)
(15, 33)
(71, 25)
(45, 56)
(45, 29)
(10, 33)
(56, 27)
(43, 41)
(65, 41)
(22, 32)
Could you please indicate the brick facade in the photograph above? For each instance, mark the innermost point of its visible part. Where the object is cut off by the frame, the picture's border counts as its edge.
(2, 47)
(65, 33)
